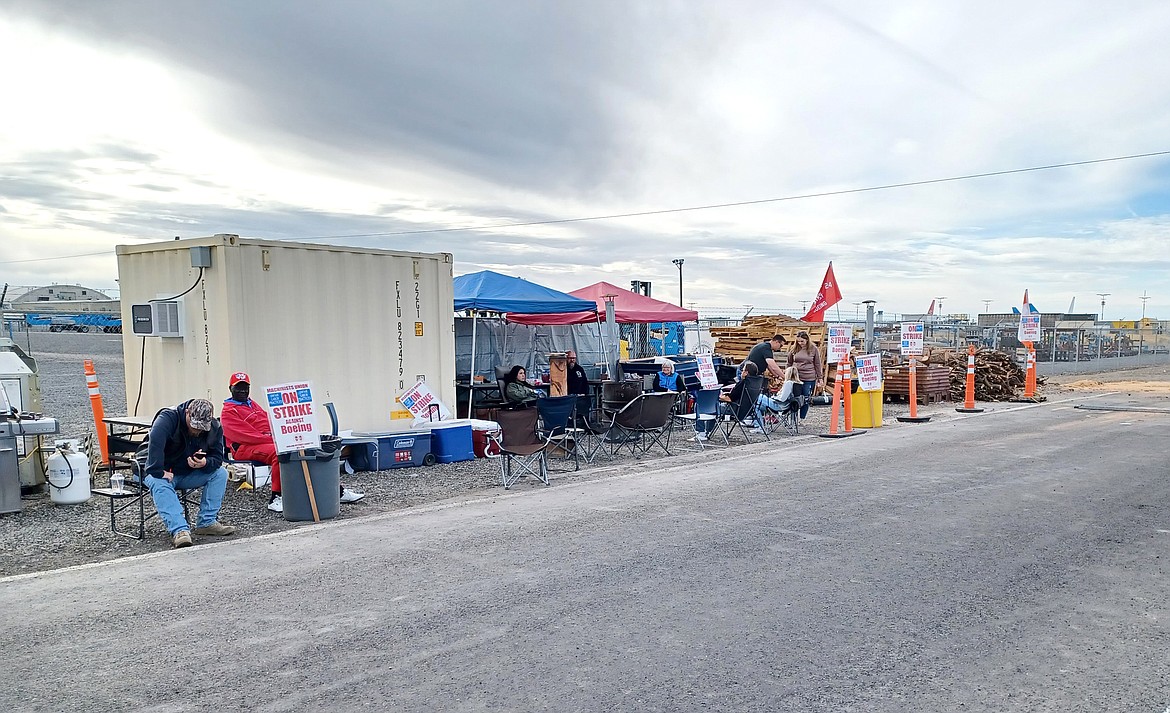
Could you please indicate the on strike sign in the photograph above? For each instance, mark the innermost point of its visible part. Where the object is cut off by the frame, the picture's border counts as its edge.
(869, 372)
(912, 338)
(707, 377)
(294, 422)
(840, 338)
(423, 403)
(1029, 330)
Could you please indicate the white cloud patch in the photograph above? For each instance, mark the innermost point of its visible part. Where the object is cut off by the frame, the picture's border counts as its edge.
(132, 122)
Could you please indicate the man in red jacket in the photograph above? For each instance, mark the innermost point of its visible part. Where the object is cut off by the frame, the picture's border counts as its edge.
(249, 436)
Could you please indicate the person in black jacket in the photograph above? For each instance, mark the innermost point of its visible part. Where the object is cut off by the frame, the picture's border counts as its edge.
(576, 378)
(185, 452)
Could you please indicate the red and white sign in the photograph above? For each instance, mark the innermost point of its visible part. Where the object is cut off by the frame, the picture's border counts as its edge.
(869, 372)
(1029, 330)
(840, 338)
(294, 421)
(707, 377)
(422, 403)
(912, 338)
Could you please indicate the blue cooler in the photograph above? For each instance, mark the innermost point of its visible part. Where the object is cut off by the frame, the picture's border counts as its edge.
(451, 441)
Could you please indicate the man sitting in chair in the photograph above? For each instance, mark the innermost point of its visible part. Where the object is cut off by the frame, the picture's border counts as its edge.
(185, 452)
(249, 433)
(730, 402)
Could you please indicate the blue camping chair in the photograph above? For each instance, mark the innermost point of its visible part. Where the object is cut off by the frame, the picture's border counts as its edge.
(558, 419)
(702, 421)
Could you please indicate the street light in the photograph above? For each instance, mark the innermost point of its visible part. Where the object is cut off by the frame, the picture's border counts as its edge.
(987, 305)
(1102, 295)
(940, 303)
(678, 261)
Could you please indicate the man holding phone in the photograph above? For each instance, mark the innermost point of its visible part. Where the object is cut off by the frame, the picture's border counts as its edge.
(185, 452)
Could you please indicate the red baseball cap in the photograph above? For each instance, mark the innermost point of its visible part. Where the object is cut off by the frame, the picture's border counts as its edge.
(237, 378)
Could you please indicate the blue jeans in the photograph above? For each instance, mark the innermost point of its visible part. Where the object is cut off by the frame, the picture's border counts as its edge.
(806, 388)
(166, 500)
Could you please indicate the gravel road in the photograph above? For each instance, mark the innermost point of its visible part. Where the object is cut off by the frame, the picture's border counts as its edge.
(47, 536)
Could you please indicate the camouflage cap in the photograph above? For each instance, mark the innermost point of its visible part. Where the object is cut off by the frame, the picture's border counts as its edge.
(199, 414)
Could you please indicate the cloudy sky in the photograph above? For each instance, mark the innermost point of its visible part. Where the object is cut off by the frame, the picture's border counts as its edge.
(378, 124)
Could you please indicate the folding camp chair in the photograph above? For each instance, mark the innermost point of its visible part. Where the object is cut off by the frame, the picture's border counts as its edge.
(702, 421)
(134, 493)
(520, 444)
(643, 423)
(558, 418)
(735, 414)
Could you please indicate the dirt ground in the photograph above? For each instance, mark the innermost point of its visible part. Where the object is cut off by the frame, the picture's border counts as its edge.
(1153, 380)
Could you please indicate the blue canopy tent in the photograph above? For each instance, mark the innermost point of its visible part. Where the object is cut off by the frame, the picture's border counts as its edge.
(488, 291)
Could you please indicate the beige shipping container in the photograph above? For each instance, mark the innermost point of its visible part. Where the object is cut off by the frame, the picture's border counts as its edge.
(362, 325)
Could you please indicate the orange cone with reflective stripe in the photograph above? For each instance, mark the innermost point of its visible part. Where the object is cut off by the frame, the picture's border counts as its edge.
(99, 412)
(913, 417)
(847, 396)
(969, 397)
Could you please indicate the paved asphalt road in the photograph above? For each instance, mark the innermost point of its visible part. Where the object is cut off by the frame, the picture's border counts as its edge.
(1011, 561)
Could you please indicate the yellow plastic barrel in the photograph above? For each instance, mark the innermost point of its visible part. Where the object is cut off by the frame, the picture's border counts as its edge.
(867, 408)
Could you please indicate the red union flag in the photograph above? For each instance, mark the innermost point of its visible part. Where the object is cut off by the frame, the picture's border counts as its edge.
(828, 296)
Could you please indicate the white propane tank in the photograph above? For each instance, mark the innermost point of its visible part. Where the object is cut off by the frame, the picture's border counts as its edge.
(68, 477)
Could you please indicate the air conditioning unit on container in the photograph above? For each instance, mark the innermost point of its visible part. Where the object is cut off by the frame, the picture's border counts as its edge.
(159, 318)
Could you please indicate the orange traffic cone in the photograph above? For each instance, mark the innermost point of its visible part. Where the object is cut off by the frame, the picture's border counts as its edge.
(969, 396)
(913, 417)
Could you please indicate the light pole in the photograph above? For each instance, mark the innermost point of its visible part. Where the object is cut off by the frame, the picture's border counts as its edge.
(678, 261)
(1102, 295)
(986, 305)
(1142, 325)
(940, 304)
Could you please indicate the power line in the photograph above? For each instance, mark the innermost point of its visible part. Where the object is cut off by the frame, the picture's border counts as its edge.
(801, 196)
(59, 257)
(712, 206)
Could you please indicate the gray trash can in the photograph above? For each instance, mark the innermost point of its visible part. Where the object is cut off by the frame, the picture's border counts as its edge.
(325, 475)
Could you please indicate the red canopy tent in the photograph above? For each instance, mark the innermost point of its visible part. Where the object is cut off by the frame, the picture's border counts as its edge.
(629, 308)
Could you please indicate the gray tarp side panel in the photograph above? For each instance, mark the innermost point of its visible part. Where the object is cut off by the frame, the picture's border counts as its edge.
(527, 346)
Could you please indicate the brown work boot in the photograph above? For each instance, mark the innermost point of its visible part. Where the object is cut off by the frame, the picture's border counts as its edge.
(216, 528)
(182, 538)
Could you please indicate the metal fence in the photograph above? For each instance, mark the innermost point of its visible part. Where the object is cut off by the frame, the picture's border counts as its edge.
(1093, 349)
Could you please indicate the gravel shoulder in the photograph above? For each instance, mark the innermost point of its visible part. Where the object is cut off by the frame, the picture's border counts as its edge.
(47, 536)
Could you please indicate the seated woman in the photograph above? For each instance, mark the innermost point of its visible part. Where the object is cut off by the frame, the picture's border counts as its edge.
(667, 380)
(789, 394)
(517, 389)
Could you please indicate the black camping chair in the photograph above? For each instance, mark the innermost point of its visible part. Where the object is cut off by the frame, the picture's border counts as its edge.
(784, 414)
(642, 424)
(735, 414)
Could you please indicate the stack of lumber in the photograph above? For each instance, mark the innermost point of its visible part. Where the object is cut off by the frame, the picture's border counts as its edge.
(997, 377)
(734, 343)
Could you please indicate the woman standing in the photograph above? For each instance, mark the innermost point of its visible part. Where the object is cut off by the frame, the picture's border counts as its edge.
(806, 357)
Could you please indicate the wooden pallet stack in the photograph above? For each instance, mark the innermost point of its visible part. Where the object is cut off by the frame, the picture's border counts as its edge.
(734, 343)
(932, 383)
